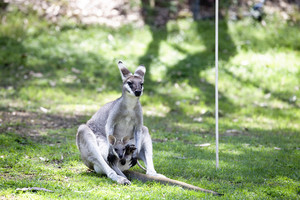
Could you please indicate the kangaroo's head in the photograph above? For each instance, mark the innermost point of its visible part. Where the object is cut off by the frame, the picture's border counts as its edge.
(119, 146)
(132, 83)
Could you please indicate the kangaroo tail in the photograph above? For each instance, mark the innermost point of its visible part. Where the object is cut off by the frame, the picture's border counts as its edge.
(165, 180)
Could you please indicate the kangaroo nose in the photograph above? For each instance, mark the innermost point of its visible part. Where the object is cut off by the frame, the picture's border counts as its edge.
(138, 93)
(120, 156)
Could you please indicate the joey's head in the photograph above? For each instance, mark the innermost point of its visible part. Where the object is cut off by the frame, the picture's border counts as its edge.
(132, 83)
(118, 146)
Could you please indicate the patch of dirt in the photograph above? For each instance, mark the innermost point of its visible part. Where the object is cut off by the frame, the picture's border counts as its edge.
(34, 124)
(115, 13)
(234, 132)
(112, 13)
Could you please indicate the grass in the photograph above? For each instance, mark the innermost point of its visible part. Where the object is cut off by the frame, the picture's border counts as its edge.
(70, 70)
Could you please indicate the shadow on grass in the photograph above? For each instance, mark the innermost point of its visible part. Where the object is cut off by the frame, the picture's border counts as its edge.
(274, 36)
(42, 67)
(252, 156)
(245, 160)
(158, 34)
(13, 55)
(282, 96)
(239, 163)
(189, 69)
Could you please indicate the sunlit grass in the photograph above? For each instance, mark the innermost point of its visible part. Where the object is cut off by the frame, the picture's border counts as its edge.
(68, 70)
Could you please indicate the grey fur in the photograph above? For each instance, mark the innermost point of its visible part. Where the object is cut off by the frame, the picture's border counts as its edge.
(120, 118)
(120, 154)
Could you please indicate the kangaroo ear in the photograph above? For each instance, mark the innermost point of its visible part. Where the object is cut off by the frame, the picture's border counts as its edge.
(124, 71)
(140, 71)
(125, 139)
(112, 140)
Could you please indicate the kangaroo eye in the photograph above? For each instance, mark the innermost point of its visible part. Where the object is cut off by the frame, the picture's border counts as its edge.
(116, 149)
(129, 83)
(142, 84)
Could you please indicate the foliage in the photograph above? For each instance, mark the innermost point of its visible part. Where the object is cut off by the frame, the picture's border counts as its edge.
(54, 77)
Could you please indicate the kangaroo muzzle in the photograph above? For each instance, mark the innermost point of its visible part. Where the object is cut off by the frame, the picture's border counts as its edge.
(138, 93)
(120, 155)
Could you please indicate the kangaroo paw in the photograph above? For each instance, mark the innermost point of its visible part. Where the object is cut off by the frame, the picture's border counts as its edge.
(123, 181)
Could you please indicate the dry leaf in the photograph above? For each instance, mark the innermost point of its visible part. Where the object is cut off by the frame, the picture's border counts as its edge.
(199, 119)
(44, 110)
(202, 145)
(178, 157)
(52, 83)
(43, 159)
(233, 132)
(36, 74)
(76, 71)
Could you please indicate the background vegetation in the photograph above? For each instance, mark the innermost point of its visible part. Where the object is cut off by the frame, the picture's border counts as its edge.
(54, 76)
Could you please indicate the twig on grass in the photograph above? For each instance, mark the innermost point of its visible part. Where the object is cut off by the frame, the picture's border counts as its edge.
(33, 189)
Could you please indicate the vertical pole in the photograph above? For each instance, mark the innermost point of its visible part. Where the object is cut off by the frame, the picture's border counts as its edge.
(216, 84)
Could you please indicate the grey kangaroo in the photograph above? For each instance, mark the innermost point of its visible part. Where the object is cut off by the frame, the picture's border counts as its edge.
(120, 118)
(120, 156)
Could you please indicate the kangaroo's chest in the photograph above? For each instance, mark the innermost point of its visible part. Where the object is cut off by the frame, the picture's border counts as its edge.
(124, 167)
(125, 125)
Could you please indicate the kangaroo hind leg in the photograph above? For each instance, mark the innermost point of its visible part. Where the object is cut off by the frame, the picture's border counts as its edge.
(146, 153)
(94, 152)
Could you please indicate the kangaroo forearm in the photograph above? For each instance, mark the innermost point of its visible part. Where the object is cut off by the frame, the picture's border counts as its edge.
(165, 180)
(138, 140)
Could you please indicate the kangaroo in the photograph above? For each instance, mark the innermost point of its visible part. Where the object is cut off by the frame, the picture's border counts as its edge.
(120, 155)
(120, 118)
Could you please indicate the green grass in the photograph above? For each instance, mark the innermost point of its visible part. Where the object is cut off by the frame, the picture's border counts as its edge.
(71, 71)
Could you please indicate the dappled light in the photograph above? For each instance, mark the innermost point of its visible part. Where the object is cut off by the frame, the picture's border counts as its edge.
(58, 66)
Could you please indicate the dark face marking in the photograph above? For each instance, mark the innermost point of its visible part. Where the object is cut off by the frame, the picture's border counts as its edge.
(130, 84)
(135, 83)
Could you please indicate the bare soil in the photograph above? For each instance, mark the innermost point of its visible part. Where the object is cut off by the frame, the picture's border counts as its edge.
(35, 124)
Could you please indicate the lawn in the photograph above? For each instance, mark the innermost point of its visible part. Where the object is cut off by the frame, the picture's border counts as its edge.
(53, 77)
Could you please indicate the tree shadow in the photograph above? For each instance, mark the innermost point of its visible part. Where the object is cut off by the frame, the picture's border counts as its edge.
(68, 71)
(189, 69)
(282, 96)
(252, 159)
(159, 34)
(13, 58)
(267, 38)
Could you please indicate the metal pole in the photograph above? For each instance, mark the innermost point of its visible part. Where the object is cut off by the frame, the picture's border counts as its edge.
(216, 84)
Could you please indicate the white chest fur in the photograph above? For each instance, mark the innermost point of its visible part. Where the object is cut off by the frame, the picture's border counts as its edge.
(124, 167)
(125, 125)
